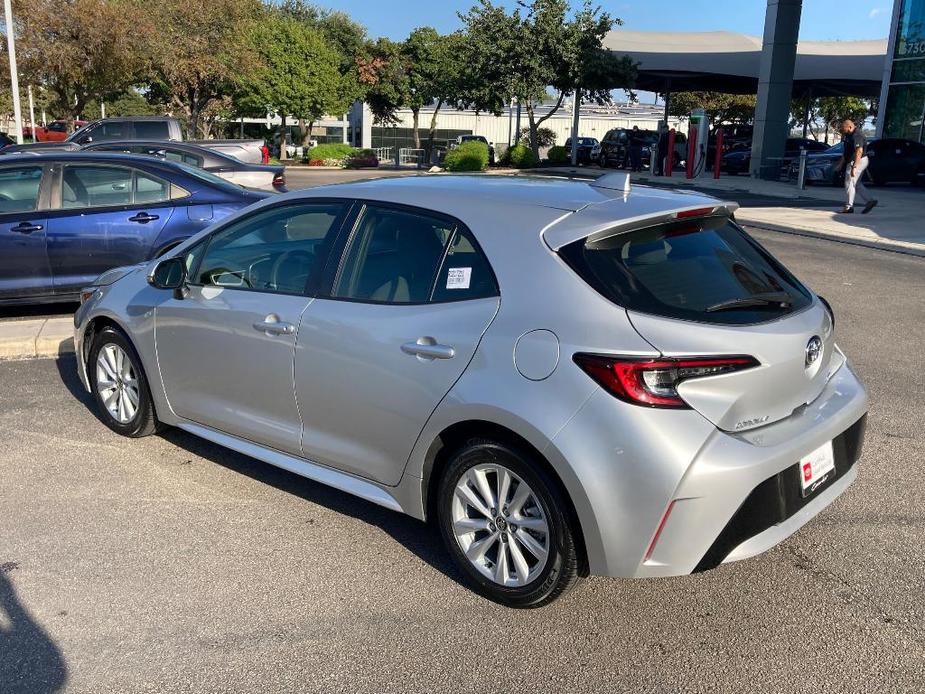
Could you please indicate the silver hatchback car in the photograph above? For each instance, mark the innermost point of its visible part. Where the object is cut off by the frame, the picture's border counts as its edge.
(567, 377)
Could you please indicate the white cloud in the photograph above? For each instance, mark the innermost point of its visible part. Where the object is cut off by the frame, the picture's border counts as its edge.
(874, 12)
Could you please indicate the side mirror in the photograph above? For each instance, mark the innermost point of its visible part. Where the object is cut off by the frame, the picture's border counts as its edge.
(170, 273)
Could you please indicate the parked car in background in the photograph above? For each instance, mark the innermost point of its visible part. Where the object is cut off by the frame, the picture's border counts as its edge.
(739, 161)
(606, 383)
(6, 141)
(67, 217)
(160, 128)
(56, 131)
(478, 138)
(586, 145)
(892, 160)
(261, 176)
(614, 148)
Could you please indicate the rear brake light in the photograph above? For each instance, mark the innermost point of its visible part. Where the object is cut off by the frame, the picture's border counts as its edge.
(654, 382)
(699, 212)
(279, 180)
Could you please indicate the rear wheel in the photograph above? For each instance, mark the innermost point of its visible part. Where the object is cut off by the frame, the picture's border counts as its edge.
(119, 385)
(506, 526)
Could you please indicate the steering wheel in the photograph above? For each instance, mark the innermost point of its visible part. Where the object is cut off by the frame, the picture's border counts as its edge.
(282, 258)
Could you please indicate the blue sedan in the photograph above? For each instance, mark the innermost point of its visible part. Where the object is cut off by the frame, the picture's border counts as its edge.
(66, 217)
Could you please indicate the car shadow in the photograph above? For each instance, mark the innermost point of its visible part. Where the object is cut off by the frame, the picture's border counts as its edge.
(29, 659)
(422, 539)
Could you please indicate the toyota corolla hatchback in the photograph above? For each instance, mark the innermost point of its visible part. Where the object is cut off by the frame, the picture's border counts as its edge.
(567, 377)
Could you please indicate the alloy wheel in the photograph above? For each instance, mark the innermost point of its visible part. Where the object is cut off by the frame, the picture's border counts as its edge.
(500, 525)
(117, 383)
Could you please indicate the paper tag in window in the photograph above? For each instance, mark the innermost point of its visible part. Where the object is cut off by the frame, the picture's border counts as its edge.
(458, 277)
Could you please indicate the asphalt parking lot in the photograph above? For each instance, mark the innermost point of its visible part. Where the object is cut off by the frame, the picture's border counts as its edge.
(168, 564)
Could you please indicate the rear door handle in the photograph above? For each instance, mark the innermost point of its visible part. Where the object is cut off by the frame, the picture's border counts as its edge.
(428, 348)
(26, 228)
(271, 325)
(143, 218)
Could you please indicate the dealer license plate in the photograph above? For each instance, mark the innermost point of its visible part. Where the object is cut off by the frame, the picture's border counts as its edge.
(817, 468)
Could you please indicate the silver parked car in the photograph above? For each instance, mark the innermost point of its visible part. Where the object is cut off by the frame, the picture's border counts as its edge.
(567, 377)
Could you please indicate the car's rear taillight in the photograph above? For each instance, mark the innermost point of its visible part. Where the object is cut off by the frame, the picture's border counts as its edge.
(654, 382)
(279, 180)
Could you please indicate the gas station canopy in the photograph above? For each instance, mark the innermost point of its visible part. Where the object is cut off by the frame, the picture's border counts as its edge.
(728, 62)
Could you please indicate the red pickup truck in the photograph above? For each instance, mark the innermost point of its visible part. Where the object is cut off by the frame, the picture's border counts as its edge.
(56, 131)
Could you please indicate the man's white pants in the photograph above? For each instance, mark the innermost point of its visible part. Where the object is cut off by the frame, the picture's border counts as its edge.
(853, 183)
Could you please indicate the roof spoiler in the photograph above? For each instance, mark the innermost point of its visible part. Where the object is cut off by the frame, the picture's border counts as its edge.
(616, 180)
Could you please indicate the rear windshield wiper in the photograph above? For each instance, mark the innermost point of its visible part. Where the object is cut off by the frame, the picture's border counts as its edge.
(765, 299)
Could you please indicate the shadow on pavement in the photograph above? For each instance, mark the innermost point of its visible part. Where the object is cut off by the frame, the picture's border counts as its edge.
(29, 660)
(422, 539)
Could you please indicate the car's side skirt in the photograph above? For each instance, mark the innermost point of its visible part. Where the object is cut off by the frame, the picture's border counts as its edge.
(313, 471)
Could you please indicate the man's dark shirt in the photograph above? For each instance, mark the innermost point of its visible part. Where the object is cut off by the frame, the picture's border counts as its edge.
(852, 141)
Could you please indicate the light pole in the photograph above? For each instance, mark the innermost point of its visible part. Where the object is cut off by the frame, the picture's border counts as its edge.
(14, 76)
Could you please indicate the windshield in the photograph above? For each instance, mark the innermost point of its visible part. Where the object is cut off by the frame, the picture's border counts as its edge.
(836, 149)
(706, 270)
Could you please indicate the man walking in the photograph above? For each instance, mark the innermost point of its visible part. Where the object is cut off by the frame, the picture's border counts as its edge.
(661, 151)
(854, 161)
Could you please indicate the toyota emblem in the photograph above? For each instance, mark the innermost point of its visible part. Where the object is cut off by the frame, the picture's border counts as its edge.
(813, 350)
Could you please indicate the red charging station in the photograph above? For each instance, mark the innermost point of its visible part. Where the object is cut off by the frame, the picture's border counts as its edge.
(717, 164)
(691, 150)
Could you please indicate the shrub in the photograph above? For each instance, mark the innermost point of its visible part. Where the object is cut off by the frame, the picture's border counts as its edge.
(336, 150)
(522, 157)
(362, 159)
(469, 156)
(558, 155)
(545, 137)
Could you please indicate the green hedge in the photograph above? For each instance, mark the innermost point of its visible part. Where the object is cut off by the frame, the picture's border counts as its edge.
(469, 156)
(336, 150)
(522, 157)
(558, 155)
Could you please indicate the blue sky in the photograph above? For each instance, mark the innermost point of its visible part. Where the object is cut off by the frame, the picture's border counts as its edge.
(822, 19)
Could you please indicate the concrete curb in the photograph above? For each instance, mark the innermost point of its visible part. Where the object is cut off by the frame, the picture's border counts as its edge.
(42, 337)
(827, 236)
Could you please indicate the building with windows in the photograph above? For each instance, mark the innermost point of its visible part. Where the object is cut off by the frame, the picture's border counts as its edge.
(902, 96)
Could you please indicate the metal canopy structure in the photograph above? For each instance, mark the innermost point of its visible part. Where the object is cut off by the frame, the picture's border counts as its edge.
(728, 62)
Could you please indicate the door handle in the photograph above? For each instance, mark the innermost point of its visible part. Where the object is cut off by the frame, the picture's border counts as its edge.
(427, 348)
(271, 325)
(143, 218)
(26, 228)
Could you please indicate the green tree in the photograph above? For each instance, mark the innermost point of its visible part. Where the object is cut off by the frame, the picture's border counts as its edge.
(522, 54)
(298, 74)
(81, 50)
(720, 108)
(199, 54)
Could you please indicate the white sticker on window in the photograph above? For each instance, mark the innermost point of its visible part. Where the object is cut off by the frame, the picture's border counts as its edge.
(458, 277)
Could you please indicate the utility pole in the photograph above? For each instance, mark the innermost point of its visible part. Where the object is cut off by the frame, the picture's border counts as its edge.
(14, 75)
(576, 114)
(31, 114)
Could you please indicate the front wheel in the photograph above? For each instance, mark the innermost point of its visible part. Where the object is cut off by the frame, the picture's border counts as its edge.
(119, 385)
(505, 524)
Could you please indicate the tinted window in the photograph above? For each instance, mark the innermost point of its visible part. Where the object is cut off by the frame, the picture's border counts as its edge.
(465, 273)
(19, 188)
(95, 186)
(393, 256)
(689, 270)
(106, 186)
(110, 130)
(279, 250)
(149, 189)
(175, 155)
(151, 130)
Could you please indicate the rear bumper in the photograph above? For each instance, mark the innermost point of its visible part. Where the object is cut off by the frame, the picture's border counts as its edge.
(730, 495)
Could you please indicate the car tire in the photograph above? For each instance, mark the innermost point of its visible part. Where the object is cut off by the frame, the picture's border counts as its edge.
(119, 385)
(514, 565)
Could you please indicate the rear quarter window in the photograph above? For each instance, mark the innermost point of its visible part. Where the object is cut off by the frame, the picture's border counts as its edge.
(706, 270)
